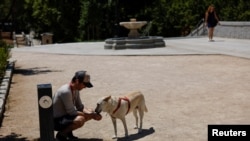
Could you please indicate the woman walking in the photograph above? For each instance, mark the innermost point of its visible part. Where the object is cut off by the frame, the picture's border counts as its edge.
(211, 20)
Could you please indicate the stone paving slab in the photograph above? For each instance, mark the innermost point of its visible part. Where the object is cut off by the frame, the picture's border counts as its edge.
(226, 46)
(174, 46)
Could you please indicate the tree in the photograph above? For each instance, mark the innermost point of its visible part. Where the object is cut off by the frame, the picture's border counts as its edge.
(81, 20)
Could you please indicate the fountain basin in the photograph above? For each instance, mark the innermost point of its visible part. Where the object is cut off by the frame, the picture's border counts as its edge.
(133, 26)
(134, 43)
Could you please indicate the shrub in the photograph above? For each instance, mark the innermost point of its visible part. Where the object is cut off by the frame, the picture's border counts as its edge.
(4, 56)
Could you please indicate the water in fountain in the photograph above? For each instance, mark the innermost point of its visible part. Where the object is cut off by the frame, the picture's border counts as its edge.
(134, 40)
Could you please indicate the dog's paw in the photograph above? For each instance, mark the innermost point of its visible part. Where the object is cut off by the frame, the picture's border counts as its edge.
(114, 137)
(126, 135)
(139, 131)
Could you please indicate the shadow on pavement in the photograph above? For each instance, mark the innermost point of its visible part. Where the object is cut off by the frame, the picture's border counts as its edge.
(145, 132)
(219, 41)
(13, 137)
(92, 139)
(17, 137)
(34, 71)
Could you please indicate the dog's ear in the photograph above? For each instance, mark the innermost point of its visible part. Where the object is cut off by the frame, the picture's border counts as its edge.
(107, 98)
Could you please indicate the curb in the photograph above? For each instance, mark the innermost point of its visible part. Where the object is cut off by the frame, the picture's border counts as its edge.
(4, 88)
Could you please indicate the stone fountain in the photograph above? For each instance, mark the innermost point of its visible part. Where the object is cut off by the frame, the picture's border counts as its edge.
(133, 26)
(134, 39)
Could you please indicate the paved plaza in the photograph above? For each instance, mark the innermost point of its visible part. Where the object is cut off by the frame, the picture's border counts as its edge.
(188, 84)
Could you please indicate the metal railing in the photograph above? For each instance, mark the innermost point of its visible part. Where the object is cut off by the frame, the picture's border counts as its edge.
(147, 29)
(199, 29)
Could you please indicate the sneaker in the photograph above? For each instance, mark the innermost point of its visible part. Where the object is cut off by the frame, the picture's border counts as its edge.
(61, 137)
(71, 136)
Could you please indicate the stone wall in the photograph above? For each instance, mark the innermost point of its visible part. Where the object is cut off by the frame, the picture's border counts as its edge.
(227, 29)
(239, 30)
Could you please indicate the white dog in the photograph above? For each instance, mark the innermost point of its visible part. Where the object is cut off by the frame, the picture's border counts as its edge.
(120, 106)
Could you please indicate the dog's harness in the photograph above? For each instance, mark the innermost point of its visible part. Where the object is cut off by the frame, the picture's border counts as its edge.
(119, 104)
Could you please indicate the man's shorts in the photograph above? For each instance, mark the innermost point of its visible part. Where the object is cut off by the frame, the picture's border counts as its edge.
(63, 122)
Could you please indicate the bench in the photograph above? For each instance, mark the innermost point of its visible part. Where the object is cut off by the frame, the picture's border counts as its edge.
(7, 37)
(21, 39)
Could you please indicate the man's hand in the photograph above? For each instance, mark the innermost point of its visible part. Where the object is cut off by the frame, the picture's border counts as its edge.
(97, 116)
(92, 115)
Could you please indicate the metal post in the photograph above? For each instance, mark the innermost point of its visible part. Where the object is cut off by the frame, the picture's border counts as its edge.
(45, 112)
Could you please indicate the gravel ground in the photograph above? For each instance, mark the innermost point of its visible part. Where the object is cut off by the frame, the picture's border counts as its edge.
(183, 93)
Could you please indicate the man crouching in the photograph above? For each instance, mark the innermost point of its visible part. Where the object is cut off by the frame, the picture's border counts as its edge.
(69, 111)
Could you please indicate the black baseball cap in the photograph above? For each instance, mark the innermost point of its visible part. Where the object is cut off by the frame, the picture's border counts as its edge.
(83, 77)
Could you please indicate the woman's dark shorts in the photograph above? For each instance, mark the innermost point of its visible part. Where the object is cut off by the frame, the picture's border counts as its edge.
(211, 25)
(63, 122)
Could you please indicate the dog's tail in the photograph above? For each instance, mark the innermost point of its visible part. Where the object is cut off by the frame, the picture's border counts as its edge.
(144, 104)
(145, 108)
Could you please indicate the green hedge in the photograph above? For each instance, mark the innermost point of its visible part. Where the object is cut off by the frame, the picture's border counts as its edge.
(4, 56)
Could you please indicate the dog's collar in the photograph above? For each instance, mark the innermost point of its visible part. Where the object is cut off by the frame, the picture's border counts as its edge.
(119, 104)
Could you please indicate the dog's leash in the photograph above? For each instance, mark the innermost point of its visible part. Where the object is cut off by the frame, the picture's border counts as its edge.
(119, 104)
